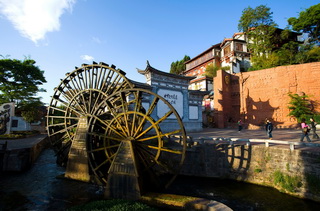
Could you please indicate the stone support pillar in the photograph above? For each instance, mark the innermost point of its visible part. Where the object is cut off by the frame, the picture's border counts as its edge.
(78, 166)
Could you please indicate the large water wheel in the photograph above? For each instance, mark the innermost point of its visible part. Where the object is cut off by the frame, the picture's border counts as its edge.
(104, 128)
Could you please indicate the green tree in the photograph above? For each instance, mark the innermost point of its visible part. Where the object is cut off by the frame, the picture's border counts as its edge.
(288, 53)
(30, 111)
(179, 66)
(299, 106)
(20, 81)
(211, 70)
(260, 29)
(253, 18)
(313, 54)
(308, 22)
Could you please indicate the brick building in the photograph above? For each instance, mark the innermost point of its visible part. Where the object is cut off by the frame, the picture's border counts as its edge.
(231, 53)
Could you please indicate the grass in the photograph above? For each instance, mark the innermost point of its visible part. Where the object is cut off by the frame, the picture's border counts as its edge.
(150, 201)
(287, 182)
(18, 134)
(113, 205)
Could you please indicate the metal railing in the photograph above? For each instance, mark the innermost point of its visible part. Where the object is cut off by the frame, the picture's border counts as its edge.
(232, 141)
(266, 142)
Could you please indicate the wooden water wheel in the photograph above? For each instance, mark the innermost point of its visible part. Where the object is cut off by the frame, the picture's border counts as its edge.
(96, 116)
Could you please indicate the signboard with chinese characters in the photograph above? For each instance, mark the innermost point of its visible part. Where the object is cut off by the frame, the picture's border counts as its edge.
(6, 112)
(175, 98)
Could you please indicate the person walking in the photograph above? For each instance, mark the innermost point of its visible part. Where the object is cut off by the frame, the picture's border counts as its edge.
(240, 125)
(269, 128)
(313, 128)
(305, 130)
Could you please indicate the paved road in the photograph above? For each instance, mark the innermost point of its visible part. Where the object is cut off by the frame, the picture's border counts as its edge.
(207, 133)
(24, 142)
(278, 134)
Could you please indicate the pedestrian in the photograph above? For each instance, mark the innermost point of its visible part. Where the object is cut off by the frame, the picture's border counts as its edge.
(313, 128)
(305, 130)
(240, 125)
(269, 128)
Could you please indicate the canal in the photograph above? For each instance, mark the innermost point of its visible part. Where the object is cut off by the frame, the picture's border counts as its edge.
(39, 188)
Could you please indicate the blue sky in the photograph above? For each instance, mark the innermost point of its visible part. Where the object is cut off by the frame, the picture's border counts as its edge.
(62, 34)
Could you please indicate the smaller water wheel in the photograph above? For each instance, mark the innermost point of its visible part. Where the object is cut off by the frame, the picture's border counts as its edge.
(129, 149)
(100, 125)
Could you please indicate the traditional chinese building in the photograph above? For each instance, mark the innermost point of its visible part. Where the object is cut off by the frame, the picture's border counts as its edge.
(174, 88)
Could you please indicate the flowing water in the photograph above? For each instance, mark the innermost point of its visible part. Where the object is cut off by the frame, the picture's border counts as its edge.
(39, 188)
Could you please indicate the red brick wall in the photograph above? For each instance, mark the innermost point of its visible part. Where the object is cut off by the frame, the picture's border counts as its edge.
(254, 96)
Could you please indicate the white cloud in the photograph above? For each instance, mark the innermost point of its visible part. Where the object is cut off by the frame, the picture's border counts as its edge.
(34, 18)
(87, 58)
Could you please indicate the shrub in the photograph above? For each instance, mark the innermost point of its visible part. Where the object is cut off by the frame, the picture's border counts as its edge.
(287, 182)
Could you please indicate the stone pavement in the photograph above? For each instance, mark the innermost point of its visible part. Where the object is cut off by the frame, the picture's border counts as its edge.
(23, 143)
(207, 133)
(278, 134)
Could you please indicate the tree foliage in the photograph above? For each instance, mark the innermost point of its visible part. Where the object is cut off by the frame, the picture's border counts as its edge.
(30, 111)
(260, 29)
(211, 70)
(257, 17)
(272, 47)
(300, 106)
(20, 81)
(308, 22)
(178, 67)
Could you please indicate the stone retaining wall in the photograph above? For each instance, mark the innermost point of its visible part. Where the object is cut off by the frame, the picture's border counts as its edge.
(16, 160)
(295, 172)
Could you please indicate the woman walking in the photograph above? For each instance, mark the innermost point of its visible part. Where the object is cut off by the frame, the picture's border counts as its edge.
(305, 130)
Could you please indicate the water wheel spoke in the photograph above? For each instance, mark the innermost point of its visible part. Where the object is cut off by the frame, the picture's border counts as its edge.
(147, 156)
(159, 135)
(110, 83)
(115, 84)
(155, 124)
(57, 124)
(108, 137)
(74, 110)
(152, 105)
(64, 129)
(123, 85)
(114, 113)
(65, 138)
(108, 160)
(109, 125)
(103, 148)
(166, 149)
(124, 106)
(55, 109)
(137, 108)
(63, 117)
(148, 113)
(154, 160)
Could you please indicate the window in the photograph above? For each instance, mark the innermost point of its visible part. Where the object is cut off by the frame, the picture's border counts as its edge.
(227, 50)
(14, 123)
(239, 47)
